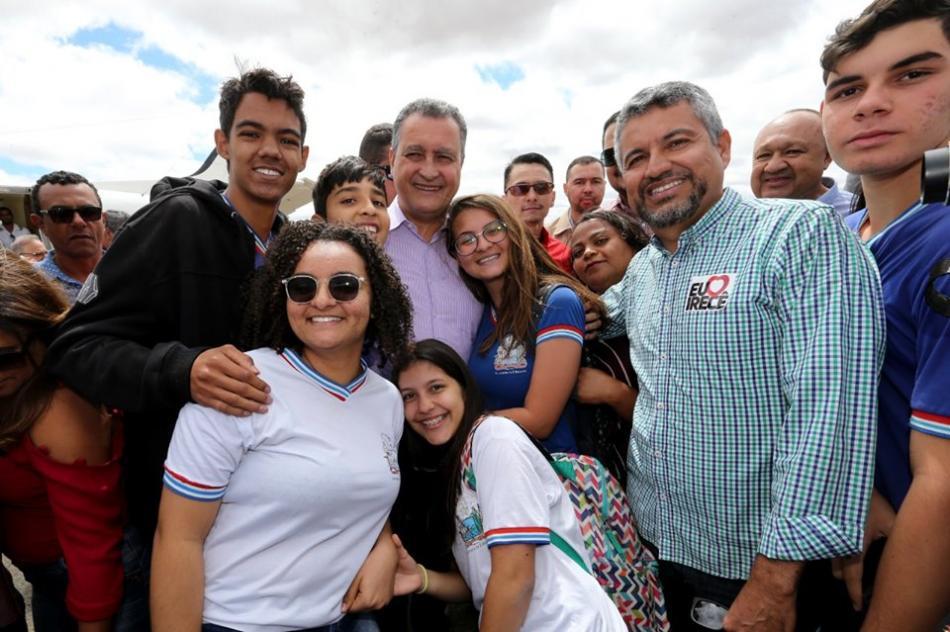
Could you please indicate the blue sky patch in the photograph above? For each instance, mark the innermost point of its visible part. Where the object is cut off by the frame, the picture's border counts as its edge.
(204, 87)
(23, 170)
(505, 74)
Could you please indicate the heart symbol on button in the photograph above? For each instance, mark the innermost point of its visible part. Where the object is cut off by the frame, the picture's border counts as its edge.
(723, 285)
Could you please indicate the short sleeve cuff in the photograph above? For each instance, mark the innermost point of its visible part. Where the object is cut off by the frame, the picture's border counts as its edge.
(560, 331)
(930, 423)
(190, 489)
(518, 535)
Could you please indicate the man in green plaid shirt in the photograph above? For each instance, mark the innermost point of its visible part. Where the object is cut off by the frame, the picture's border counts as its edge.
(757, 331)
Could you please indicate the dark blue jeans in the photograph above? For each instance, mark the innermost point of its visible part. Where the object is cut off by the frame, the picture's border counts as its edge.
(363, 622)
(49, 591)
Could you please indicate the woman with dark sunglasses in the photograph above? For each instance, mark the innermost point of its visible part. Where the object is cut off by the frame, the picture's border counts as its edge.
(528, 347)
(266, 521)
(60, 504)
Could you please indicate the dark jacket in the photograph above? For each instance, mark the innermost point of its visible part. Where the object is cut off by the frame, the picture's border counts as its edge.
(168, 288)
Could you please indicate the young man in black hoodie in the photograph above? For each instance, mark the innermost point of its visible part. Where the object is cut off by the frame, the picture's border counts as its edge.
(153, 327)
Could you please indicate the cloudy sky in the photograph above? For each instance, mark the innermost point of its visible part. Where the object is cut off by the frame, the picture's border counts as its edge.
(128, 90)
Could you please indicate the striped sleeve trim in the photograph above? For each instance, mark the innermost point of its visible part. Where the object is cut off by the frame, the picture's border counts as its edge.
(518, 535)
(560, 331)
(190, 489)
(929, 423)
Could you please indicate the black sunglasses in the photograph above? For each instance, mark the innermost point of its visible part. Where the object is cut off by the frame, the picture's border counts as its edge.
(301, 288)
(608, 157)
(493, 232)
(12, 359)
(541, 188)
(64, 214)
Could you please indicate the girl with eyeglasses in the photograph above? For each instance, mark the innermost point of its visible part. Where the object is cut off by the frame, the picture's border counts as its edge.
(265, 521)
(501, 517)
(527, 351)
(61, 509)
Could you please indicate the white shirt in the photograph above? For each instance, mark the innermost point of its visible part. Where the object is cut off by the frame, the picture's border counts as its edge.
(520, 500)
(305, 490)
(7, 237)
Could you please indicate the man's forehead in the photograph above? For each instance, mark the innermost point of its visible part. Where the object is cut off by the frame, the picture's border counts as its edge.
(803, 128)
(528, 171)
(890, 47)
(52, 194)
(586, 170)
(256, 108)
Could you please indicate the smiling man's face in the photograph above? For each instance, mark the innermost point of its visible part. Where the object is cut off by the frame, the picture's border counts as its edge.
(427, 166)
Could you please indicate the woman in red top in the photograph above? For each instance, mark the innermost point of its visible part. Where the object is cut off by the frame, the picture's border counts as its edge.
(60, 506)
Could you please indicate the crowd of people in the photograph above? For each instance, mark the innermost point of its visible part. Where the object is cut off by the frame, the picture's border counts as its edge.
(214, 419)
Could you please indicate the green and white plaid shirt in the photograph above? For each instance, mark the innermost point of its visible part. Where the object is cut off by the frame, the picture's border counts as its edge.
(758, 345)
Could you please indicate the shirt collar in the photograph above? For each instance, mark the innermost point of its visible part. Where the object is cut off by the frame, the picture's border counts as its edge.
(397, 218)
(341, 392)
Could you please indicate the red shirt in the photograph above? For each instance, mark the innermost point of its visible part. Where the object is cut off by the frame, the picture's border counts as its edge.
(51, 510)
(558, 251)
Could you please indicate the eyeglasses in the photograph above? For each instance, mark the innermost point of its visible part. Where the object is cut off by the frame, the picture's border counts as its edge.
(12, 359)
(64, 214)
(520, 190)
(608, 157)
(493, 232)
(343, 287)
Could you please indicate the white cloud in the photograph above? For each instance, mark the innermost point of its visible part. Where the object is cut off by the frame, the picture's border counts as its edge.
(109, 116)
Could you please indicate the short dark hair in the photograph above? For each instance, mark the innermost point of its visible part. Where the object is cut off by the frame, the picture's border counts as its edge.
(853, 35)
(431, 108)
(582, 160)
(59, 178)
(610, 121)
(263, 81)
(376, 142)
(340, 171)
(266, 323)
(530, 158)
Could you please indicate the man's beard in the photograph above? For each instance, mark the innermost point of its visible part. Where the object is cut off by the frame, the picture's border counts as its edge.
(670, 215)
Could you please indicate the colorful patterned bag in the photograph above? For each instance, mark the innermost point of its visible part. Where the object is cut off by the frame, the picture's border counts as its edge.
(625, 568)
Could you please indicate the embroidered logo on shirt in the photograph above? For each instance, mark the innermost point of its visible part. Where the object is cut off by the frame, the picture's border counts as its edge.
(468, 522)
(510, 356)
(709, 293)
(389, 453)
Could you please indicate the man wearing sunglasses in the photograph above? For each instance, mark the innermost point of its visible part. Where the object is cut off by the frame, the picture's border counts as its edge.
(155, 327)
(584, 187)
(529, 191)
(68, 210)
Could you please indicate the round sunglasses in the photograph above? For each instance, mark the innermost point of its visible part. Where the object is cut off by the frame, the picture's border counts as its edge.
(343, 287)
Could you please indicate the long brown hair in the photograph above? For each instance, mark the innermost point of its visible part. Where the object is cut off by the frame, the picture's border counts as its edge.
(30, 306)
(530, 267)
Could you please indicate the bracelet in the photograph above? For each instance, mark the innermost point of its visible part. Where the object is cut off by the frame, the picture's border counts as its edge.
(425, 580)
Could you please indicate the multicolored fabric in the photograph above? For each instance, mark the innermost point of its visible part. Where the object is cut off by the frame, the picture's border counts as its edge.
(625, 569)
(756, 345)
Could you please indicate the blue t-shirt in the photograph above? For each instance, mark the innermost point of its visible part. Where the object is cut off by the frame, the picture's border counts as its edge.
(504, 372)
(913, 256)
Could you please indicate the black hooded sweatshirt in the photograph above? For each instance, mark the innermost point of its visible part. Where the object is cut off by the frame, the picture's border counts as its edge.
(168, 288)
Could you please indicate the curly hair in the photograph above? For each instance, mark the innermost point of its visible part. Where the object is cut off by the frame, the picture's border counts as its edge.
(266, 323)
(530, 268)
(625, 227)
(60, 178)
(30, 307)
